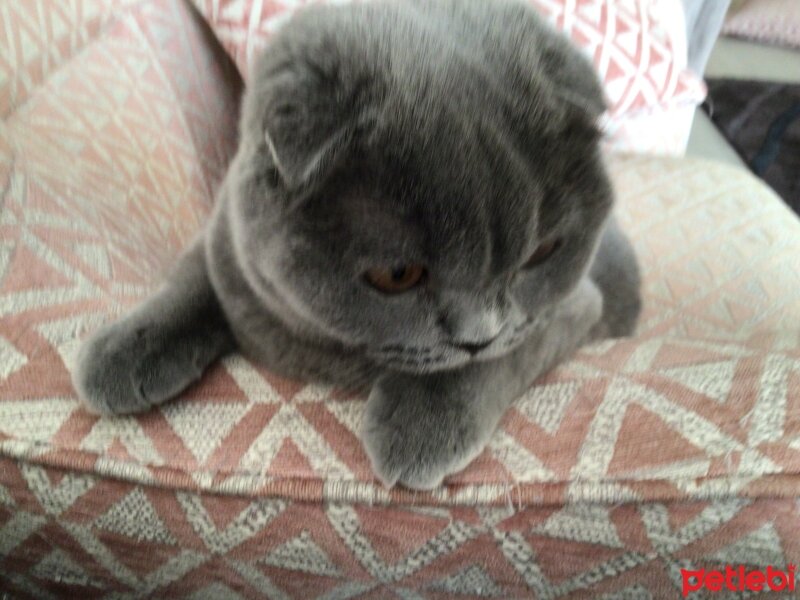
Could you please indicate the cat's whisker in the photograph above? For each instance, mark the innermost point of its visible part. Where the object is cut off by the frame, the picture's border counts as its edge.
(398, 349)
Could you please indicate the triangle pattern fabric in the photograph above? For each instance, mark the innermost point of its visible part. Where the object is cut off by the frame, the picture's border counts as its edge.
(301, 554)
(289, 461)
(582, 523)
(95, 256)
(60, 567)
(203, 426)
(135, 516)
(11, 360)
(545, 404)
(42, 417)
(472, 580)
(648, 441)
(763, 545)
(348, 412)
(710, 379)
(31, 272)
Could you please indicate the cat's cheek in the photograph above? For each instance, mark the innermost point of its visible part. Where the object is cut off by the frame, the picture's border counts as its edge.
(402, 322)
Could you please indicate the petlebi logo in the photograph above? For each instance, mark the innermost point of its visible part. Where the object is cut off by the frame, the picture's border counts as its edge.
(739, 579)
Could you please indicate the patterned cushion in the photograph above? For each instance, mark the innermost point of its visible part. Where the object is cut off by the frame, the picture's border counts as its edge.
(638, 47)
(78, 535)
(677, 448)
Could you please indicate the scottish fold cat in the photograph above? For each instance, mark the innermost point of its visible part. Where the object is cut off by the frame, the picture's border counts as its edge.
(418, 207)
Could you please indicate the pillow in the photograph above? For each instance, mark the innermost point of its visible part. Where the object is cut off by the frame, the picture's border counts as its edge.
(637, 46)
(770, 21)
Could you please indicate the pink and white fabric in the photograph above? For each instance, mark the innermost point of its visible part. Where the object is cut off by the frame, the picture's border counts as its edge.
(637, 46)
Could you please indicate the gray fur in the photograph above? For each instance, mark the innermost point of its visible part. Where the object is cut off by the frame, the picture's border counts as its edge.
(455, 134)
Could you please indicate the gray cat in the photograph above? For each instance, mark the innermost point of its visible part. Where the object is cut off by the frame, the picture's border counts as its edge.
(418, 207)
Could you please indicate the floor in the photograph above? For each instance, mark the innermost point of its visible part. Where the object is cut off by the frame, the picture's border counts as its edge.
(742, 60)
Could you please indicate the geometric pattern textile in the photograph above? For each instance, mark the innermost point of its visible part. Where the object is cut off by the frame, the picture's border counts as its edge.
(637, 46)
(676, 448)
(82, 536)
(658, 132)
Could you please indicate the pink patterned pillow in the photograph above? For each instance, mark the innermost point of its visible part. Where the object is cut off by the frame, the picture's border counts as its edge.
(638, 47)
(769, 21)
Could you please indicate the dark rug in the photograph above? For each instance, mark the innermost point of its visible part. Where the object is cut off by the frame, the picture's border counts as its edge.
(761, 120)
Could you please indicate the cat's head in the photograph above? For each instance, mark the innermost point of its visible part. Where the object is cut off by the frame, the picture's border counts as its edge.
(424, 184)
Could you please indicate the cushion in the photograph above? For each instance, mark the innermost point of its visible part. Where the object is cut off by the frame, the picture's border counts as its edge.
(638, 48)
(769, 21)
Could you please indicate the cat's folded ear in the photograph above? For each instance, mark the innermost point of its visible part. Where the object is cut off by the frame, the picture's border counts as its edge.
(301, 159)
(566, 83)
(305, 114)
(576, 84)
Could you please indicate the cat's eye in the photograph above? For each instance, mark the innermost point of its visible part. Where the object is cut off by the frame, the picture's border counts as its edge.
(395, 280)
(542, 253)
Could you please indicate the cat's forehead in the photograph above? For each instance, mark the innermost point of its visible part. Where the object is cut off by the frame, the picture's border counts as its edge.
(454, 179)
(459, 220)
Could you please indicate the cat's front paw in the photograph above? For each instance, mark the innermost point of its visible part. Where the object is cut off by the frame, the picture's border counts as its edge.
(581, 312)
(122, 369)
(584, 305)
(416, 433)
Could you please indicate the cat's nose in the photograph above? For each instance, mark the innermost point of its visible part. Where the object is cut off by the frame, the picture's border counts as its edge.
(472, 330)
(475, 347)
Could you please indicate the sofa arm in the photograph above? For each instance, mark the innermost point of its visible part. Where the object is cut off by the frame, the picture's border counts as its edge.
(118, 123)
